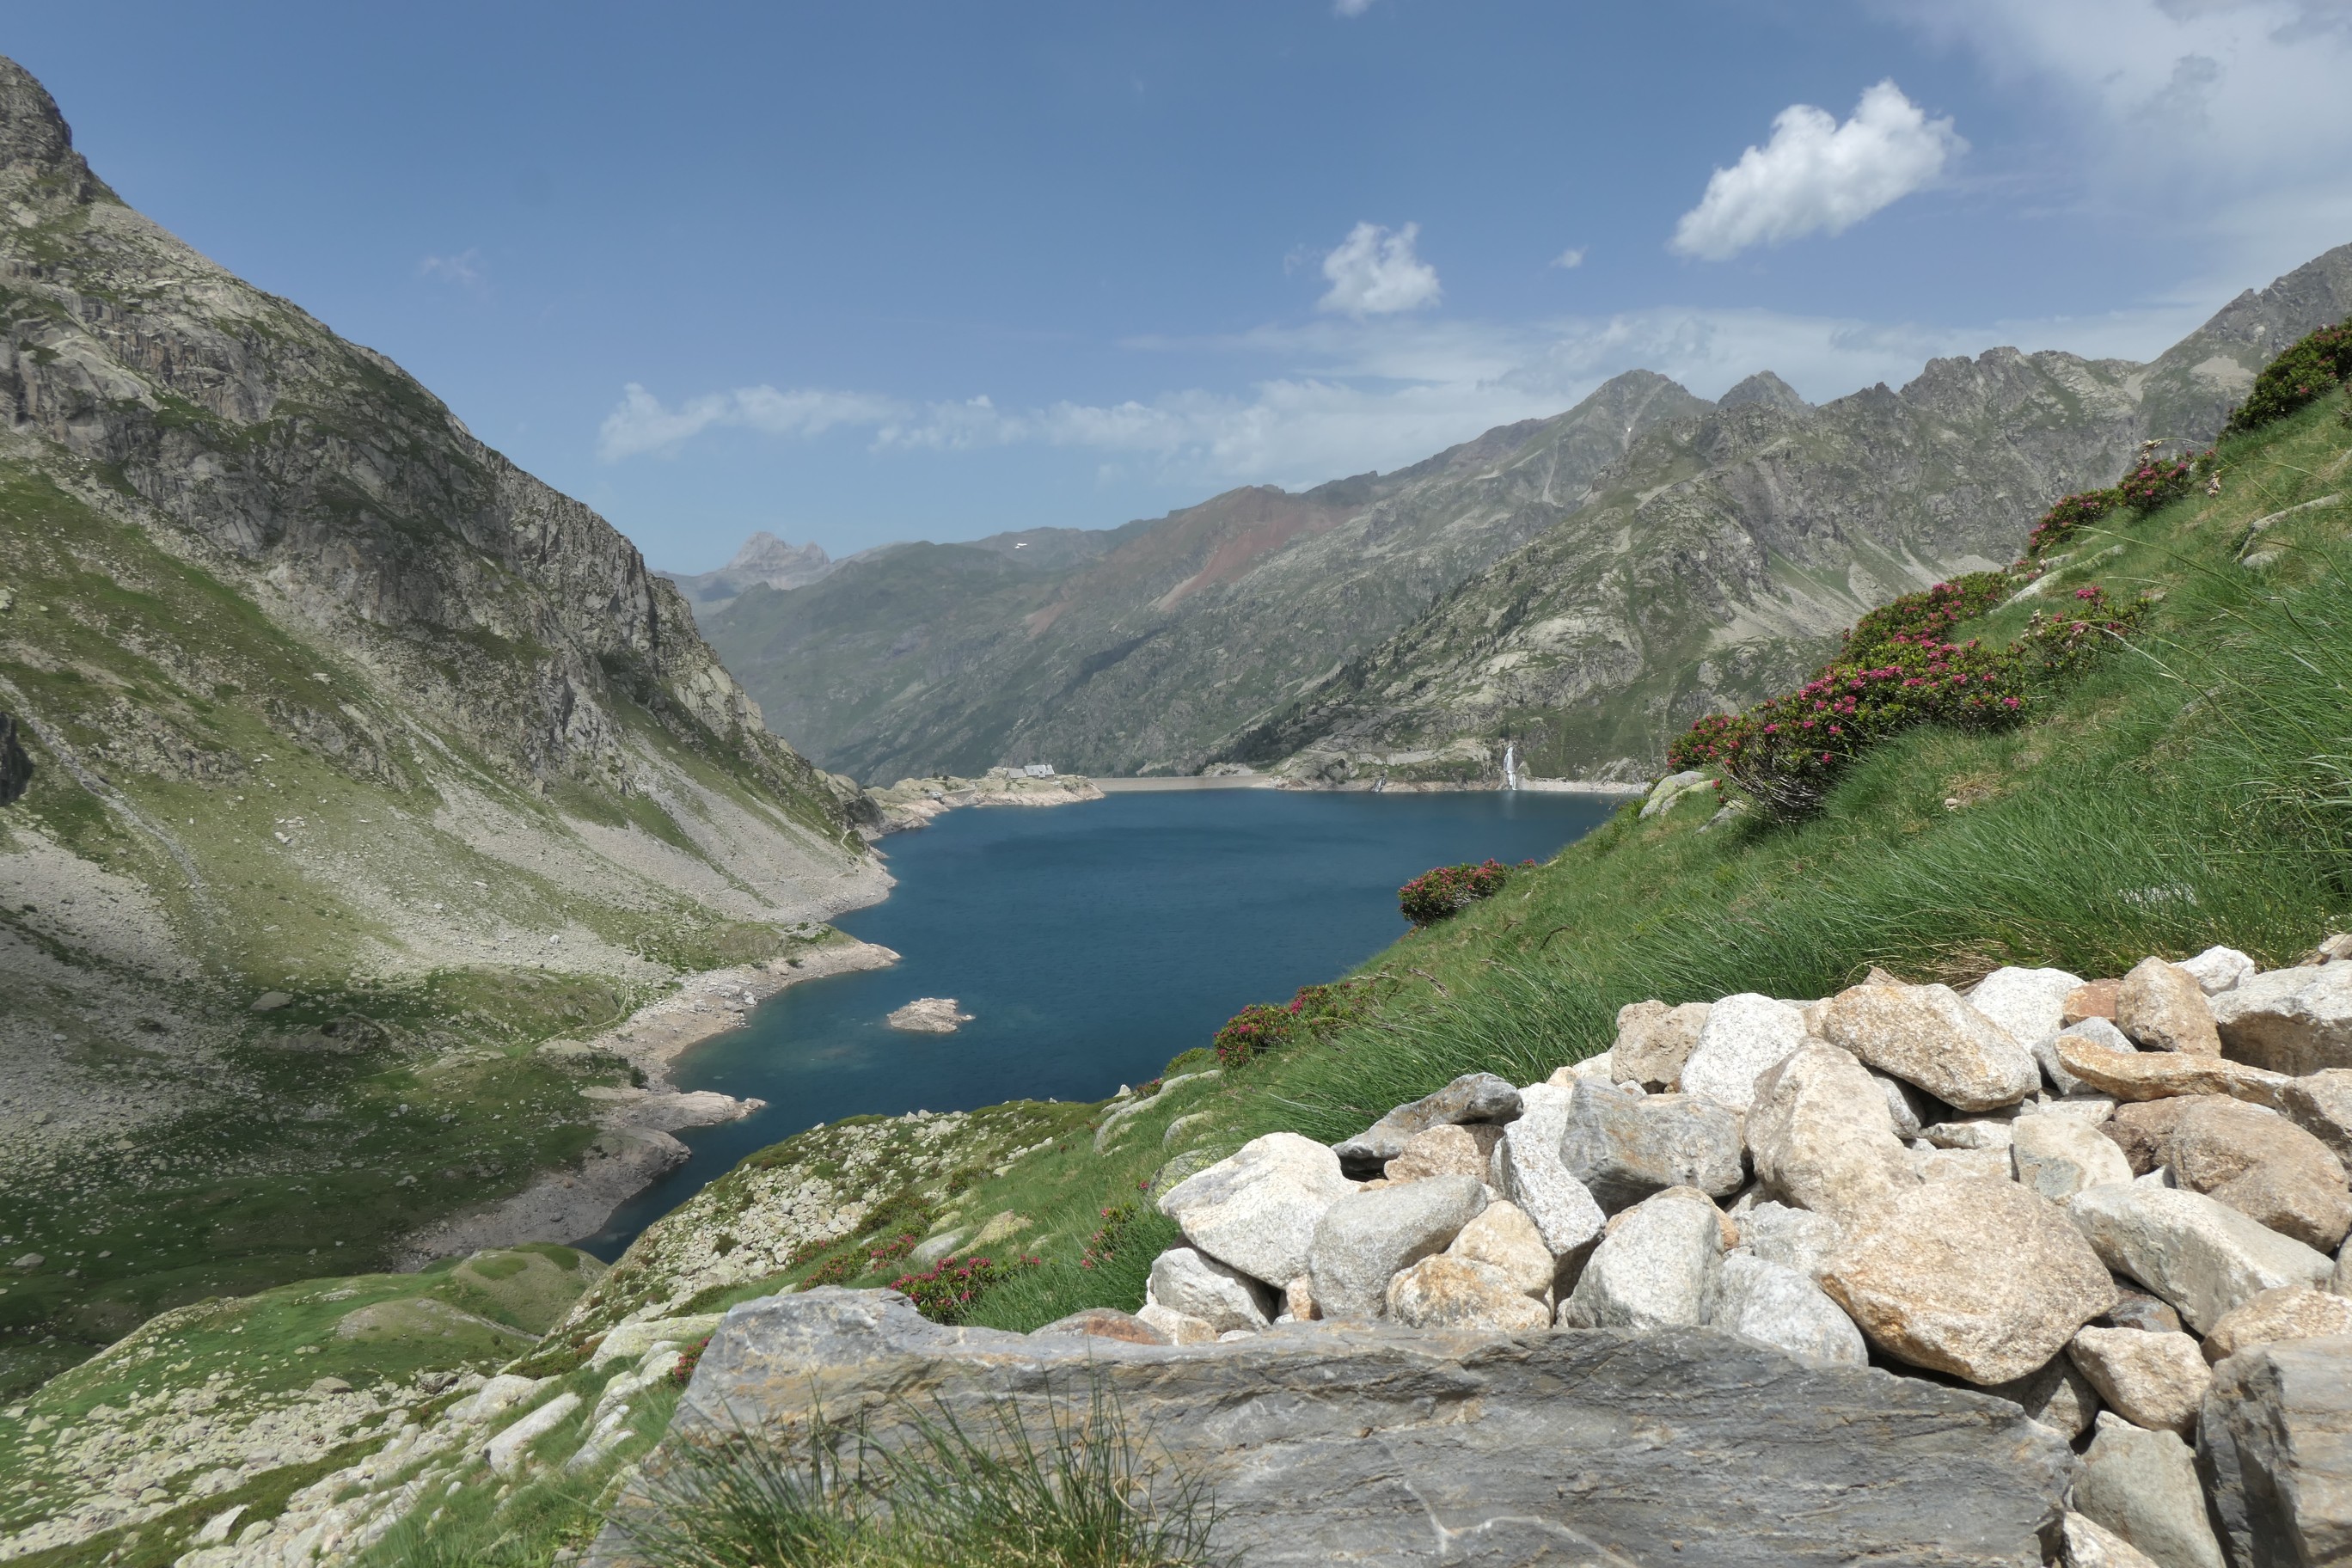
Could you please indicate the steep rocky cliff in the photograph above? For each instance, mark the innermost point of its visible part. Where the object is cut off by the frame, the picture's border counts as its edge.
(1180, 634)
(352, 746)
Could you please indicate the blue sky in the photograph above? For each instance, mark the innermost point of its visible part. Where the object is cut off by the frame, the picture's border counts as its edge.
(893, 270)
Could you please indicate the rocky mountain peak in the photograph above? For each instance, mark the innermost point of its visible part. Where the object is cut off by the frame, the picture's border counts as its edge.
(1765, 388)
(764, 553)
(34, 137)
(2269, 318)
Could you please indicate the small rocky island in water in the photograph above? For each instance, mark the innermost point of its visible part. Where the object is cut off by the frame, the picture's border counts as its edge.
(930, 1016)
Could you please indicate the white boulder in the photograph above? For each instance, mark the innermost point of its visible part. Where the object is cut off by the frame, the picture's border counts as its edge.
(1527, 1168)
(1655, 1268)
(1744, 1034)
(2203, 1257)
(1256, 1210)
(2057, 1155)
(1190, 1281)
(1778, 1305)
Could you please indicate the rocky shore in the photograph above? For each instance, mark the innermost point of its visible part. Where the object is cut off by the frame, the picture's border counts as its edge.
(913, 803)
(635, 1144)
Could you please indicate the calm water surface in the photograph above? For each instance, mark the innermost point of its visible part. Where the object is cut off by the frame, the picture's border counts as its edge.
(1092, 943)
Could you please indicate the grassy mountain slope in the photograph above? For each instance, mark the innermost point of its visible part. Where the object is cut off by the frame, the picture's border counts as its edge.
(1723, 554)
(1186, 631)
(324, 698)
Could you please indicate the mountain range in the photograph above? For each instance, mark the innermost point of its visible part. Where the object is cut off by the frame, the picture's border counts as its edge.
(1581, 587)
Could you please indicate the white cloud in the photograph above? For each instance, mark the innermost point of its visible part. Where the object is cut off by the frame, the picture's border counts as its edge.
(1817, 176)
(642, 424)
(1351, 7)
(1570, 258)
(1373, 272)
(465, 268)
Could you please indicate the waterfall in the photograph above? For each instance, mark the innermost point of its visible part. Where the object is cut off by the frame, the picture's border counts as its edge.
(1510, 765)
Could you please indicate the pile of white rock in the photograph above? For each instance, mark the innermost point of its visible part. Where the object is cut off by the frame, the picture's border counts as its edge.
(2121, 1203)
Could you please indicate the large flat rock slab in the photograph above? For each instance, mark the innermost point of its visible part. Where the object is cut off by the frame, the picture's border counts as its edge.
(1375, 1445)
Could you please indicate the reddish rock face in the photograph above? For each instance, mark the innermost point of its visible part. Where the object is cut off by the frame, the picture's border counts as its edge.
(2161, 1006)
(2094, 999)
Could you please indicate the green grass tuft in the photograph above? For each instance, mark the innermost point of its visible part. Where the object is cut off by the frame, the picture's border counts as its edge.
(944, 1491)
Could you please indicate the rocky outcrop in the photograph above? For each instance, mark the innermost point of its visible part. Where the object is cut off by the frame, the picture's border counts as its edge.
(1329, 1443)
(914, 803)
(16, 767)
(929, 1016)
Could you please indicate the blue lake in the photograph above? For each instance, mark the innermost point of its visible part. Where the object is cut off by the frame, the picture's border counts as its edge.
(1092, 943)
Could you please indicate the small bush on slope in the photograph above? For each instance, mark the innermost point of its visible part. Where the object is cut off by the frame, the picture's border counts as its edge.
(2305, 373)
(1442, 890)
(1895, 669)
(2154, 483)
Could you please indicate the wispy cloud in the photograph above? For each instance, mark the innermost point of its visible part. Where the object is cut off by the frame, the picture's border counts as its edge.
(1351, 7)
(464, 269)
(1351, 395)
(1570, 258)
(1374, 272)
(643, 424)
(1816, 176)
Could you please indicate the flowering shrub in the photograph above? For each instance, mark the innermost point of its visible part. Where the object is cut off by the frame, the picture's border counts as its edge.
(851, 1265)
(1324, 1009)
(1257, 1028)
(2307, 371)
(1897, 669)
(947, 1291)
(2070, 513)
(1439, 892)
(2161, 480)
(1105, 1241)
(688, 1360)
(1264, 1027)
(835, 1271)
(2151, 484)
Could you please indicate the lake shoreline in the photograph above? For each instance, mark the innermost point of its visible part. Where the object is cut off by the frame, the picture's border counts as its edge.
(637, 1127)
(1091, 948)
